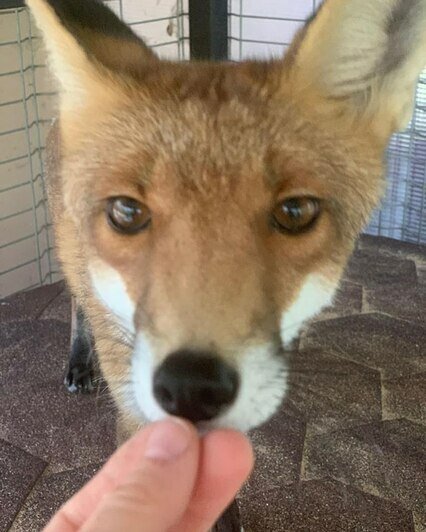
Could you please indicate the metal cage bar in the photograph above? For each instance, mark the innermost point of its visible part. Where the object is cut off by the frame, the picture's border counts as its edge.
(208, 29)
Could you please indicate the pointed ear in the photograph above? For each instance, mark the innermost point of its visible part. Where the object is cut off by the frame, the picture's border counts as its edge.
(365, 55)
(87, 45)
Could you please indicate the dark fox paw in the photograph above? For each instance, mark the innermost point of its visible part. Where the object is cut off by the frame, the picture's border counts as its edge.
(79, 378)
(80, 375)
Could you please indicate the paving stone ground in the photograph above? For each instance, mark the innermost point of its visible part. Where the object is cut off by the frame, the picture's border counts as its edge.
(346, 452)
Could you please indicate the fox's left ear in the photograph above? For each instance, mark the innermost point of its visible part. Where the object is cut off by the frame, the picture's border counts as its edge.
(87, 46)
(365, 56)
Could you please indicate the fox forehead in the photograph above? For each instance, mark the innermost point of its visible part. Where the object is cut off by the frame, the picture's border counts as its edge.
(179, 107)
(207, 146)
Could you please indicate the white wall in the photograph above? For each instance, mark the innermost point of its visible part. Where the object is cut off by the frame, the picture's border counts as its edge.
(265, 28)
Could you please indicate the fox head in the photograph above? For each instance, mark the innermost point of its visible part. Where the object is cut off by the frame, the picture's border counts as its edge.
(212, 207)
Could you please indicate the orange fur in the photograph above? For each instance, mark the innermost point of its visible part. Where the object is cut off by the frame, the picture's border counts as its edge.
(211, 148)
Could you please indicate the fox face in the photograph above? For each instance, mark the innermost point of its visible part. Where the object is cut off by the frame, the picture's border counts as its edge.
(204, 212)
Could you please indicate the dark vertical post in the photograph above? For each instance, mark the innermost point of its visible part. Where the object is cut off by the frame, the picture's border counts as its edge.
(208, 29)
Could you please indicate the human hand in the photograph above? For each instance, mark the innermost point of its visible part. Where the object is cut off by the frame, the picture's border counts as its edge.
(165, 478)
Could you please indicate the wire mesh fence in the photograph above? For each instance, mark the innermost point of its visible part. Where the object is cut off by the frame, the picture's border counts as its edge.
(403, 212)
(27, 105)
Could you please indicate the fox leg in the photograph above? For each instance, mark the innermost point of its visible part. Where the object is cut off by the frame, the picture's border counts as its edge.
(79, 377)
(230, 520)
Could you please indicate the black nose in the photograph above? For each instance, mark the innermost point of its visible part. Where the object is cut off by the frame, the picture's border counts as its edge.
(194, 385)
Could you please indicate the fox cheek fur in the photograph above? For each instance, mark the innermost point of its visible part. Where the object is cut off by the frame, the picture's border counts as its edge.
(203, 212)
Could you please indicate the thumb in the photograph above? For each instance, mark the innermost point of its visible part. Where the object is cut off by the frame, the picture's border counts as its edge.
(155, 496)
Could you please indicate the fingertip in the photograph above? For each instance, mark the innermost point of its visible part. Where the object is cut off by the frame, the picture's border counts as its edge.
(231, 447)
(165, 458)
(139, 439)
(169, 439)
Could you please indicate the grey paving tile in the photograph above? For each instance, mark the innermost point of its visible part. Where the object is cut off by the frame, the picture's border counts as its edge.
(48, 495)
(420, 521)
(401, 301)
(66, 430)
(322, 506)
(329, 392)
(421, 275)
(405, 397)
(378, 341)
(30, 304)
(18, 473)
(389, 246)
(373, 270)
(278, 446)
(33, 352)
(385, 459)
(38, 414)
(59, 308)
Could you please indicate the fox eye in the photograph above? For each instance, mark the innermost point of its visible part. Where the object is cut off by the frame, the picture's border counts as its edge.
(296, 215)
(127, 215)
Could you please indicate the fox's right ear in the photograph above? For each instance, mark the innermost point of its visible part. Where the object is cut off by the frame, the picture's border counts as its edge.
(87, 45)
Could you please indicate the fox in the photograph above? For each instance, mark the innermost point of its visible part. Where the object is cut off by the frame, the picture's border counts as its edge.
(205, 211)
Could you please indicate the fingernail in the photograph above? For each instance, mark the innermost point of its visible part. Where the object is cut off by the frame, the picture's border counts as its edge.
(168, 440)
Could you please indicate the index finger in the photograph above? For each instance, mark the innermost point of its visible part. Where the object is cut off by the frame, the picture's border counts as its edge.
(74, 513)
